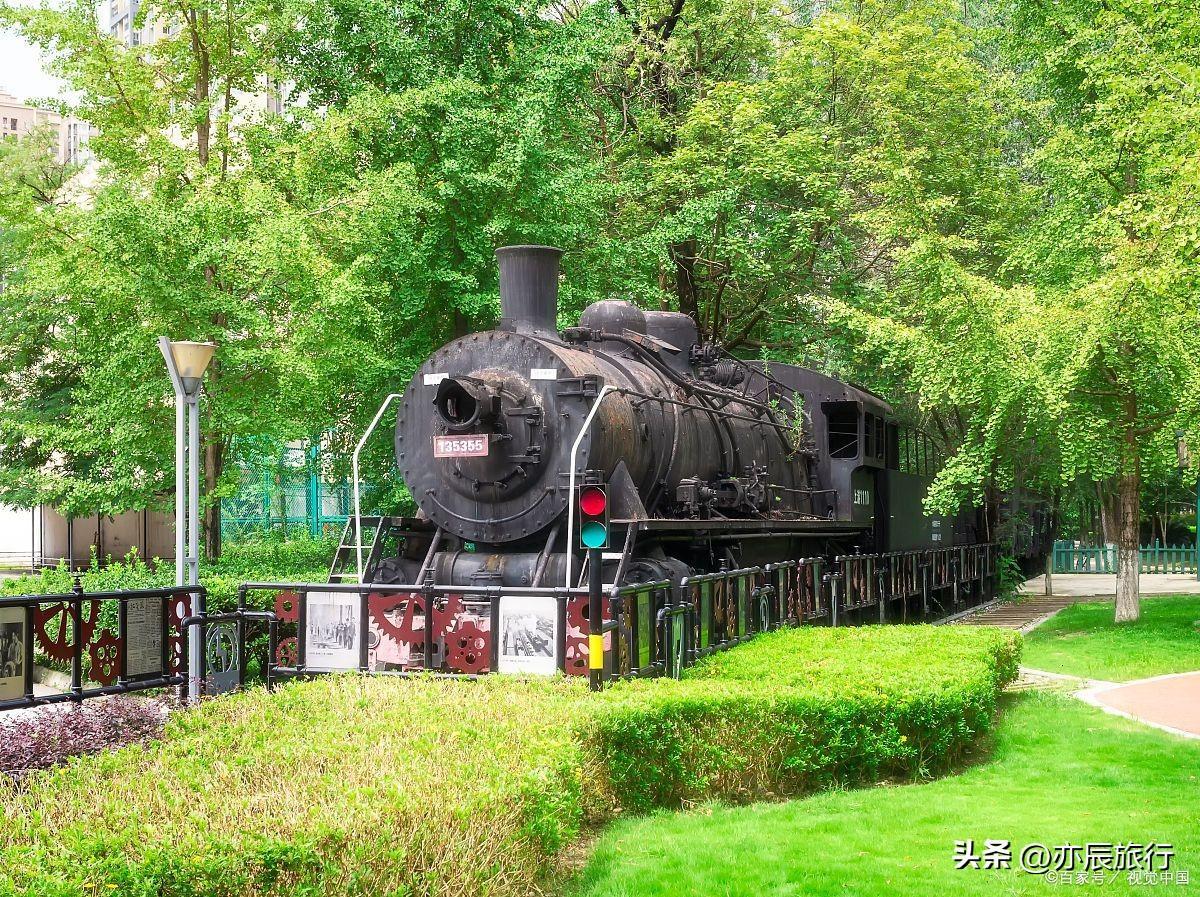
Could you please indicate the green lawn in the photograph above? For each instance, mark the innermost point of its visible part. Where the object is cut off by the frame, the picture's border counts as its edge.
(1061, 773)
(1084, 641)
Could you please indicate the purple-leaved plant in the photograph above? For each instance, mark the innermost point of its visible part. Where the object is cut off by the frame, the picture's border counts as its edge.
(48, 736)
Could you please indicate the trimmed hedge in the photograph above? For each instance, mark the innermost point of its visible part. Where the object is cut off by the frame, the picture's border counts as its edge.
(801, 709)
(349, 785)
(302, 559)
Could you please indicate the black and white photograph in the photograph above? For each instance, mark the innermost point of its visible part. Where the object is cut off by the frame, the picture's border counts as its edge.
(527, 635)
(334, 631)
(12, 653)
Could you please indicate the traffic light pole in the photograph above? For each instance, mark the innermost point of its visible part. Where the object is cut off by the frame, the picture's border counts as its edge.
(595, 618)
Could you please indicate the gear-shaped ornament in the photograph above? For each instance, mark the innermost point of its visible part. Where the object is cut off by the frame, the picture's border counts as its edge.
(469, 647)
(105, 653)
(54, 623)
(287, 653)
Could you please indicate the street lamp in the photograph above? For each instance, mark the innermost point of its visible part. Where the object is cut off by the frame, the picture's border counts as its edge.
(186, 363)
(1185, 461)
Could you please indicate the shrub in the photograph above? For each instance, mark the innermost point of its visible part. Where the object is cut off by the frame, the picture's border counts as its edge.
(49, 736)
(352, 786)
(801, 709)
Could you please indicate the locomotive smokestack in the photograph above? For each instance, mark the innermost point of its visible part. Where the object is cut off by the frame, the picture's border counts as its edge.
(528, 287)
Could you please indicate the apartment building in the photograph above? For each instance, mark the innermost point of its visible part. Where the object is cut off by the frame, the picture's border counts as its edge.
(19, 120)
(123, 24)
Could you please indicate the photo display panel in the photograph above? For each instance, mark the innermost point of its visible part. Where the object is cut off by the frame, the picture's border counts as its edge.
(333, 631)
(13, 634)
(528, 635)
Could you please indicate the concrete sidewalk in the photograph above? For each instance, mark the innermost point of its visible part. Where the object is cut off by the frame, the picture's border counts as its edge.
(1092, 585)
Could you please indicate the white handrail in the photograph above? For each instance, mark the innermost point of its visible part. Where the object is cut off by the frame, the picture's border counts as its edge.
(587, 422)
(358, 546)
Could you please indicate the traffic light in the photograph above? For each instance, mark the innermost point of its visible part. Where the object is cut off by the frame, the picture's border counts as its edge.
(593, 517)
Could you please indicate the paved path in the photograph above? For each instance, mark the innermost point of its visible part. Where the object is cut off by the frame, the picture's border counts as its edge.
(1086, 585)
(1165, 702)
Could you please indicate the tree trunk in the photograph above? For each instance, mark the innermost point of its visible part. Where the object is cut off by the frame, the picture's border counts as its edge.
(683, 257)
(1128, 487)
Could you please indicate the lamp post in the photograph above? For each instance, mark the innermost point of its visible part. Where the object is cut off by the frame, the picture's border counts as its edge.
(1185, 461)
(186, 363)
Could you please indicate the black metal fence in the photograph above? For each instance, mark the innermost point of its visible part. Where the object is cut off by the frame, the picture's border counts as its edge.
(650, 629)
(115, 642)
(104, 643)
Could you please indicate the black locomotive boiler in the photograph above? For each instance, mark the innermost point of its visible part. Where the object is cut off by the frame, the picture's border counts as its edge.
(710, 461)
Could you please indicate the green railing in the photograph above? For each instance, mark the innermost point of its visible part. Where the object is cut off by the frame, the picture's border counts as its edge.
(1154, 558)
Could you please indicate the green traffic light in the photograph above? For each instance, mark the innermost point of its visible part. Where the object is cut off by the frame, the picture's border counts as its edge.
(593, 534)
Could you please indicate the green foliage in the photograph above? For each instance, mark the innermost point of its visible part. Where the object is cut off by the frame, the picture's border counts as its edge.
(344, 786)
(803, 709)
(1050, 779)
(986, 212)
(267, 560)
(1082, 640)
(355, 785)
(326, 251)
(1010, 578)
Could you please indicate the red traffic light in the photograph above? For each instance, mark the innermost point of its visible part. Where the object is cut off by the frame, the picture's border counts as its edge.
(592, 501)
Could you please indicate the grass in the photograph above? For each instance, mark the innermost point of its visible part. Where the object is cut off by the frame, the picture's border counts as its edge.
(363, 786)
(346, 785)
(1061, 773)
(1083, 640)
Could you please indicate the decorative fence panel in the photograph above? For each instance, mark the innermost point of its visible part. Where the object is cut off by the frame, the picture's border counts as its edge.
(108, 642)
(119, 642)
(1156, 558)
(650, 629)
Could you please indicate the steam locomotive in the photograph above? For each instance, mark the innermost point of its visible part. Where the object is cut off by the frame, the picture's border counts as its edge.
(709, 461)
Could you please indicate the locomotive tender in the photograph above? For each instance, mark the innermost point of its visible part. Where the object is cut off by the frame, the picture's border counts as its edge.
(710, 462)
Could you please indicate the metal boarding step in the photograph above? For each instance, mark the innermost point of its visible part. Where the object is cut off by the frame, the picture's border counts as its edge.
(345, 560)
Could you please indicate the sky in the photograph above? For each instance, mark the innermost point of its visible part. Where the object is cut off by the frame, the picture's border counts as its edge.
(21, 70)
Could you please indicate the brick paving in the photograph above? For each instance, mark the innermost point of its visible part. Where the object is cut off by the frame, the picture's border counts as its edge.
(1021, 616)
(1165, 702)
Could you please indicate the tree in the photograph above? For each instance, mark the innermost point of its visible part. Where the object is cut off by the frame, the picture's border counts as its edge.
(177, 236)
(1113, 146)
(326, 250)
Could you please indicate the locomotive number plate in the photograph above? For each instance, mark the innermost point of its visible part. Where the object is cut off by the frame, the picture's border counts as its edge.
(460, 446)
